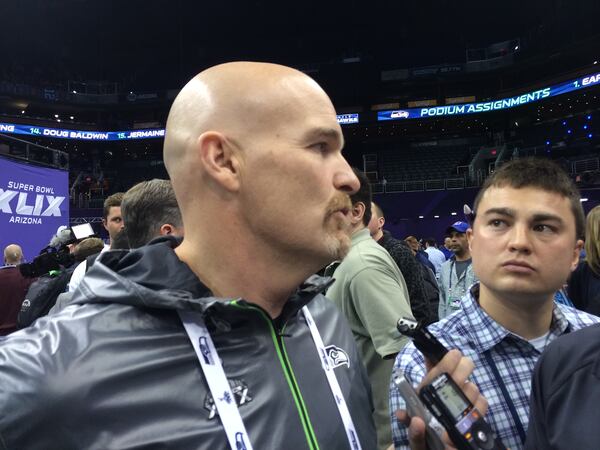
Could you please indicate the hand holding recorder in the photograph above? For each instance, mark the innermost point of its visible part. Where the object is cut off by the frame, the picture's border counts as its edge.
(448, 395)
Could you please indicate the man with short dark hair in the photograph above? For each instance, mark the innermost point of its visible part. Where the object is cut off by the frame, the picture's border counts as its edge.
(223, 339)
(436, 257)
(113, 224)
(456, 274)
(111, 214)
(13, 288)
(371, 292)
(525, 241)
(150, 210)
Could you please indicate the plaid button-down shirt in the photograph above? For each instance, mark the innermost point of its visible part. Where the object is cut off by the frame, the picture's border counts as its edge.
(475, 333)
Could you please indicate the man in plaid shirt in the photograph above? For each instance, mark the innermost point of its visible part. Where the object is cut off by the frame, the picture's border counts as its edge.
(525, 241)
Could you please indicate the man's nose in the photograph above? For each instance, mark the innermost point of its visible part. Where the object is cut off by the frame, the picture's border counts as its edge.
(344, 178)
(520, 238)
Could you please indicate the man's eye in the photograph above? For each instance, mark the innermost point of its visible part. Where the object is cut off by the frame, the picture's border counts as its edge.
(320, 146)
(497, 223)
(543, 228)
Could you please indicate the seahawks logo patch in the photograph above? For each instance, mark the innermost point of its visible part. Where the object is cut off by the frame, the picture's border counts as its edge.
(337, 356)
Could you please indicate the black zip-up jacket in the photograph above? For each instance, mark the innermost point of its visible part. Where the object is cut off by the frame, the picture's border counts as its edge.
(116, 369)
(565, 394)
(423, 308)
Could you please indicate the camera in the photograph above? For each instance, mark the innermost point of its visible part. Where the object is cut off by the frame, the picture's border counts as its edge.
(49, 259)
(57, 254)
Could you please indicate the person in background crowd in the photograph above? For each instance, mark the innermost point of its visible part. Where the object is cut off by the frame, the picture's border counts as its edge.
(44, 292)
(113, 223)
(150, 210)
(525, 243)
(88, 246)
(456, 274)
(222, 340)
(584, 284)
(421, 256)
(445, 249)
(423, 302)
(371, 292)
(13, 255)
(436, 257)
(13, 288)
(86, 250)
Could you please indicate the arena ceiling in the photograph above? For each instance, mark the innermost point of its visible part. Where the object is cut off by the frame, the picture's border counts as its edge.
(164, 42)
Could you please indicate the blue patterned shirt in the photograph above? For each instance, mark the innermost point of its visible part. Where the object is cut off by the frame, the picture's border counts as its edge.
(476, 334)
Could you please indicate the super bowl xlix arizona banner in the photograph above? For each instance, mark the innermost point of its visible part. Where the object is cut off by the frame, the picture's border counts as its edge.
(34, 202)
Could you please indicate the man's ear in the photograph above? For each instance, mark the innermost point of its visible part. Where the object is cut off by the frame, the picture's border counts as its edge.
(104, 224)
(381, 222)
(469, 236)
(220, 159)
(357, 213)
(165, 229)
(576, 252)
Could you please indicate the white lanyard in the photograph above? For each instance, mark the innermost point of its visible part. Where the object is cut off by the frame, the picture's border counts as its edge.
(221, 391)
(216, 379)
(340, 401)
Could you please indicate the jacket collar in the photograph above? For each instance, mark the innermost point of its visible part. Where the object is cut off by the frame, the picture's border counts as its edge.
(153, 276)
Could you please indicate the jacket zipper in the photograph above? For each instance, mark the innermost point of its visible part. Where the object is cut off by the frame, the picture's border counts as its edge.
(289, 376)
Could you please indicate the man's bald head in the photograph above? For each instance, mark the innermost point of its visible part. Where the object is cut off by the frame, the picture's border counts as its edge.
(254, 154)
(13, 255)
(239, 100)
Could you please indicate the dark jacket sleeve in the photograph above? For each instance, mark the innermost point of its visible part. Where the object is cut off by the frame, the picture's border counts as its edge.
(565, 394)
(536, 433)
(574, 288)
(413, 277)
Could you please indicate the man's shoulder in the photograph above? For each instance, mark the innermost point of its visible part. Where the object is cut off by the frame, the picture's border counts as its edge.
(450, 331)
(585, 340)
(446, 264)
(322, 306)
(47, 348)
(396, 245)
(9, 274)
(577, 319)
(570, 353)
(366, 254)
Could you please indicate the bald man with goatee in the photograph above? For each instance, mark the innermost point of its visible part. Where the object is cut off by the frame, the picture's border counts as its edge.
(223, 340)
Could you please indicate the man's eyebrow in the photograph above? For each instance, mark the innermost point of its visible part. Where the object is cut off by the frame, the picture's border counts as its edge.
(536, 217)
(501, 211)
(331, 134)
(543, 217)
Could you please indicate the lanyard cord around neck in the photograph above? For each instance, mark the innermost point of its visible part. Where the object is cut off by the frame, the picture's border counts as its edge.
(221, 391)
(511, 406)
